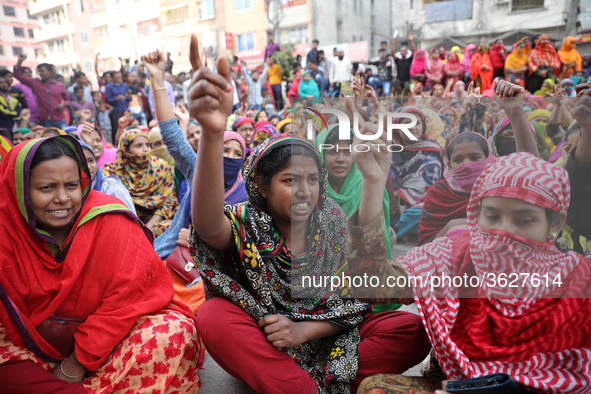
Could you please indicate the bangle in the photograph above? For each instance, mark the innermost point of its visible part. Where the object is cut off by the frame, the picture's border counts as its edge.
(159, 89)
(69, 376)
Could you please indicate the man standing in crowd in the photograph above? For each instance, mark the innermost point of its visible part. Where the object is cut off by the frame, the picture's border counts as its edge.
(403, 60)
(82, 81)
(274, 76)
(255, 86)
(384, 78)
(10, 110)
(271, 47)
(169, 63)
(52, 96)
(323, 63)
(319, 75)
(340, 70)
(29, 95)
(135, 104)
(313, 53)
(118, 95)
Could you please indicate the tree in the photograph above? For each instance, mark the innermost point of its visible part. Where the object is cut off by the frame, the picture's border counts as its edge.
(285, 58)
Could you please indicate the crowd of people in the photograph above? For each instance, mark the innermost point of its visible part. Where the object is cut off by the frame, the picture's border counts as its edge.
(160, 215)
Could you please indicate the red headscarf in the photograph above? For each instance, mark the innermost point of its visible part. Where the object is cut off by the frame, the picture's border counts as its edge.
(541, 336)
(486, 76)
(453, 64)
(106, 271)
(543, 54)
(496, 56)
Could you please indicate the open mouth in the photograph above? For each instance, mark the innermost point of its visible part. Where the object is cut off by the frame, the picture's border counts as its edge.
(301, 207)
(59, 213)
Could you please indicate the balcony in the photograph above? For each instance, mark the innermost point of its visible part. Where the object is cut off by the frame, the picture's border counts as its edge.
(445, 11)
(61, 58)
(54, 30)
(39, 6)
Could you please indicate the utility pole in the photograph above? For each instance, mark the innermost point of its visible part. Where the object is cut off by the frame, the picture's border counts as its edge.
(571, 22)
(130, 30)
(275, 16)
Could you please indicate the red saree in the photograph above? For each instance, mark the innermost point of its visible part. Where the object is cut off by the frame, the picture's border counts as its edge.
(107, 270)
(441, 205)
(486, 76)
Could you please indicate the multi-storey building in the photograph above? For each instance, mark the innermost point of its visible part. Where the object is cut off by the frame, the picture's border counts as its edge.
(17, 34)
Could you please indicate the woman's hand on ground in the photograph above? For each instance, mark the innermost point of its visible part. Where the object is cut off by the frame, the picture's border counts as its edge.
(210, 94)
(281, 331)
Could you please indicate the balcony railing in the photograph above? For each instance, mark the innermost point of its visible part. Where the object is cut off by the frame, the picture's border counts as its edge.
(39, 6)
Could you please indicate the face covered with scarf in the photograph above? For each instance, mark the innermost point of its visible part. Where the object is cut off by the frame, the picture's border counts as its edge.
(469, 154)
(503, 138)
(157, 147)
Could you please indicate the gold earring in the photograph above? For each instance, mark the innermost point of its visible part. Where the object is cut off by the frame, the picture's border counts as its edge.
(554, 236)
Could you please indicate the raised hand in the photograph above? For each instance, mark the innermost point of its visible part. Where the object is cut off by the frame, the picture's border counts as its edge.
(26, 115)
(210, 94)
(181, 113)
(473, 98)
(155, 64)
(86, 115)
(582, 110)
(22, 58)
(508, 95)
(358, 85)
(87, 132)
(557, 95)
(411, 36)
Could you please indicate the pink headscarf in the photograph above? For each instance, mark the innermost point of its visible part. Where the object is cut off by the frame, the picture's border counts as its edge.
(467, 57)
(418, 63)
(463, 177)
(108, 155)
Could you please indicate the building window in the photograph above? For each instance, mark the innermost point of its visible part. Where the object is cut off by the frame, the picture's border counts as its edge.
(88, 67)
(176, 15)
(123, 31)
(101, 35)
(298, 35)
(206, 10)
(97, 6)
(361, 7)
(520, 5)
(39, 52)
(84, 37)
(31, 33)
(450, 10)
(1, 50)
(241, 5)
(19, 31)
(146, 28)
(246, 41)
(79, 7)
(8, 11)
(17, 51)
(29, 15)
(355, 6)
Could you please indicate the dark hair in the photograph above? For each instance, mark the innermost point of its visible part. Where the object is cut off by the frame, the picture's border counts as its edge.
(296, 64)
(47, 66)
(382, 50)
(280, 158)
(109, 73)
(273, 117)
(468, 137)
(53, 148)
(126, 74)
(78, 74)
(404, 43)
(553, 217)
(235, 57)
(574, 128)
(4, 73)
(321, 51)
(78, 87)
(58, 76)
(315, 41)
(264, 88)
(23, 69)
(312, 61)
(333, 137)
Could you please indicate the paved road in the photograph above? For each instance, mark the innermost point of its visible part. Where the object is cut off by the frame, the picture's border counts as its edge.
(214, 380)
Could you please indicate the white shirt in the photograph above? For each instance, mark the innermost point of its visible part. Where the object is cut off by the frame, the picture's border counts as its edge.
(340, 70)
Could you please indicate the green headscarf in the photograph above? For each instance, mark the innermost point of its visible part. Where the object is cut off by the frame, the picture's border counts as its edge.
(542, 91)
(349, 198)
(541, 139)
(22, 130)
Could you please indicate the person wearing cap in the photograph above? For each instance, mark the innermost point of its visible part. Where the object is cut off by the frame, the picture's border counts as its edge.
(340, 70)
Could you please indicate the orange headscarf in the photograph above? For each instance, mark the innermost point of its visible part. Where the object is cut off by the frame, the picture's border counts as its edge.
(568, 53)
(486, 76)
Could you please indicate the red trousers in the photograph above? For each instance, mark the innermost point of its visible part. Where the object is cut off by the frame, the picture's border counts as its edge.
(391, 342)
(26, 377)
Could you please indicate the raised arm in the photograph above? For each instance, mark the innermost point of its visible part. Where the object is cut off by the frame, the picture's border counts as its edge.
(582, 113)
(96, 69)
(510, 98)
(18, 74)
(264, 74)
(210, 102)
(411, 39)
(155, 64)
